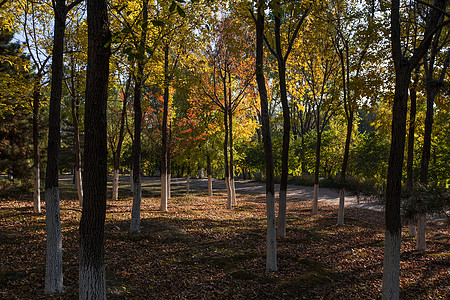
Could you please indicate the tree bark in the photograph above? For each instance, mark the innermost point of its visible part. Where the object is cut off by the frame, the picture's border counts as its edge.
(36, 155)
(410, 159)
(232, 187)
(115, 191)
(281, 228)
(208, 171)
(75, 104)
(164, 179)
(315, 209)
(92, 279)
(403, 69)
(137, 192)
(271, 248)
(54, 270)
(225, 144)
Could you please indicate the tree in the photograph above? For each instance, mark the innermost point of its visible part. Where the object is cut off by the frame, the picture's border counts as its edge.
(16, 85)
(136, 152)
(92, 281)
(433, 85)
(403, 67)
(319, 70)
(352, 51)
(271, 248)
(277, 52)
(53, 271)
(34, 16)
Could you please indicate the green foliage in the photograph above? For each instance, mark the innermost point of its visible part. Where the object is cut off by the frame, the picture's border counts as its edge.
(15, 111)
(422, 200)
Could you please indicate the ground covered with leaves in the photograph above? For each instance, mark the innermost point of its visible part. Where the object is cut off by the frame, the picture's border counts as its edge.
(201, 250)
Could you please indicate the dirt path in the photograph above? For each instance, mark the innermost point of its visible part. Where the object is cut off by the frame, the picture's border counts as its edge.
(294, 191)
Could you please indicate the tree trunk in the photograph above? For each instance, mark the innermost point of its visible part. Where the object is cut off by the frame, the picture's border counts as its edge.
(271, 248)
(54, 270)
(131, 178)
(75, 104)
(36, 156)
(284, 151)
(225, 145)
(92, 278)
(164, 132)
(232, 186)
(410, 159)
(137, 192)
(115, 191)
(315, 209)
(393, 235)
(208, 171)
(348, 138)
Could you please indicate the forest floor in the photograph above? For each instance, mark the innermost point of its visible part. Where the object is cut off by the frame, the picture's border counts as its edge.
(201, 250)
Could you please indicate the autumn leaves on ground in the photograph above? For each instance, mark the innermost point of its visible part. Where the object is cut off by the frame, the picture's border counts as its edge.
(201, 250)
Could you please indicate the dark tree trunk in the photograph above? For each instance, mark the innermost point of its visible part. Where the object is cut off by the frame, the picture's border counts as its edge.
(36, 156)
(116, 153)
(230, 121)
(315, 209)
(75, 117)
(403, 69)
(164, 183)
(271, 249)
(92, 283)
(281, 224)
(225, 142)
(53, 271)
(136, 151)
(412, 128)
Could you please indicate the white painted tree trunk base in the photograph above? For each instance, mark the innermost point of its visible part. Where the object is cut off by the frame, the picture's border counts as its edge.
(210, 187)
(163, 206)
(391, 266)
(79, 186)
(340, 220)
(135, 224)
(281, 222)
(271, 238)
(37, 191)
(169, 178)
(421, 242)
(115, 189)
(233, 192)
(229, 201)
(53, 263)
(315, 209)
(411, 229)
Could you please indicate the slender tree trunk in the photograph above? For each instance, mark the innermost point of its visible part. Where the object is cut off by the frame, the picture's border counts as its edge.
(424, 163)
(36, 156)
(410, 159)
(348, 138)
(225, 145)
(92, 278)
(137, 192)
(54, 268)
(315, 209)
(115, 191)
(232, 186)
(208, 171)
(131, 177)
(164, 178)
(271, 248)
(393, 235)
(281, 228)
(75, 104)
